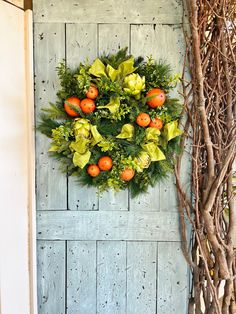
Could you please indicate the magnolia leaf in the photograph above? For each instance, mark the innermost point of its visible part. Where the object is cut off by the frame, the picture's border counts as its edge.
(152, 134)
(126, 67)
(97, 68)
(154, 151)
(171, 130)
(112, 73)
(96, 135)
(81, 160)
(112, 106)
(127, 131)
(80, 146)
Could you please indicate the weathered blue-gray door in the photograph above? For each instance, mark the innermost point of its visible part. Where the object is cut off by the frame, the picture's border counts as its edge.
(108, 254)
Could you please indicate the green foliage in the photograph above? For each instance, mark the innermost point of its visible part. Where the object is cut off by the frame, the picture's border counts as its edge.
(115, 59)
(115, 107)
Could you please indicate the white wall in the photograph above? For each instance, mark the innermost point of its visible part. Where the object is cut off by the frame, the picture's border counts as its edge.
(16, 152)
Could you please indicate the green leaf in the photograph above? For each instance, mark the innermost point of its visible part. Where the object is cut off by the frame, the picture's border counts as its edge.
(127, 131)
(113, 105)
(81, 160)
(154, 151)
(80, 146)
(126, 67)
(96, 135)
(171, 130)
(152, 134)
(112, 73)
(97, 68)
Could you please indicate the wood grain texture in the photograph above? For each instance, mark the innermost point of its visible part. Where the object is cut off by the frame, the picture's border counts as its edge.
(172, 279)
(109, 225)
(112, 37)
(81, 46)
(168, 195)
(51, 277)
(149, 201)
(114, 200)
(108, 11)
(49, 41)
(141, 277)
(164, 42)
(111, 277)
(81, 43)
(81, 277)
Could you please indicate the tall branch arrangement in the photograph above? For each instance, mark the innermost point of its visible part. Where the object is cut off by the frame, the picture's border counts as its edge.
(210, 105)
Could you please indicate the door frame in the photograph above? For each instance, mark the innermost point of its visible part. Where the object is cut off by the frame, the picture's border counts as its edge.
(21, 244)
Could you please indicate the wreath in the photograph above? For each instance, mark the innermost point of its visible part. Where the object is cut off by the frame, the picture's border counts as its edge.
(114, 124)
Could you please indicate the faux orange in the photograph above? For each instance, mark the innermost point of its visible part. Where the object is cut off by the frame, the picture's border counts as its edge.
(87, 105)
(143, 119)
(156, 123)
(157, 98)
(127, 174)
(105, 163)
(69, 103)
(93, 170)
(92, 92)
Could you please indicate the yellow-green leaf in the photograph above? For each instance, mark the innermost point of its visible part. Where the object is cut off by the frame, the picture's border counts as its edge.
(80, 146)
(53, 148)
(112, 106)
(127, 131)
(112, 73)
(96, 135)
(171, 130)
(152, 134)
(81, 160)
(126, 67)
(97, 68)
(154, 151)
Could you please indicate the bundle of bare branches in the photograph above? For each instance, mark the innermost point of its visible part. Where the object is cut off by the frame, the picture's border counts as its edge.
(211, 111)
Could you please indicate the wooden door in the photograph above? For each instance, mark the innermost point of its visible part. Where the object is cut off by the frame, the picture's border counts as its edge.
(104, 254)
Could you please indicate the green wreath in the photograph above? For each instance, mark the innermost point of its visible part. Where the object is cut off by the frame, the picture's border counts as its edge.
(113, 124)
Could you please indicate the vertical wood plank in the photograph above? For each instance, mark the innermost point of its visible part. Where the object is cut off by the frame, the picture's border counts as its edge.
(172, 279)
(111, 277)
(147, 202)
(141, 277)
(81, 277)
(51, 277)
(49, 41)
(112, 37)
(164, 42)
(81, 44)
(168, 195)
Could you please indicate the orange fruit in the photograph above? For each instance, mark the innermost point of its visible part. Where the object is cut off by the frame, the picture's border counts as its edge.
(143, 119)
(92, 92)
(87, 105)
(69, 103)
(156, 123)
(105, 163)
(93, 170)
(156, 97)
(127, 174)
